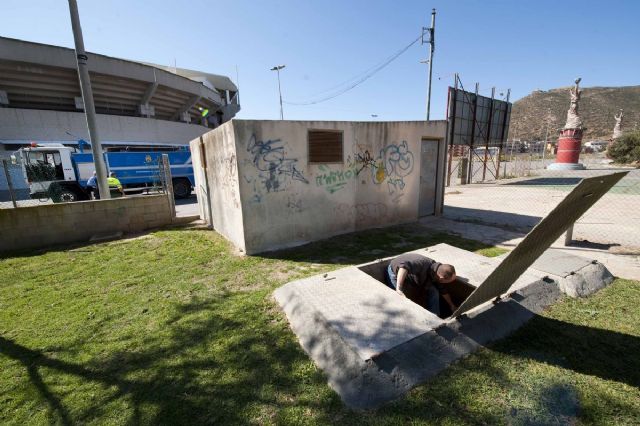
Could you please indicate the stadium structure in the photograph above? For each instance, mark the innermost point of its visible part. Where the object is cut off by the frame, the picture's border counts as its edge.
(137, 104)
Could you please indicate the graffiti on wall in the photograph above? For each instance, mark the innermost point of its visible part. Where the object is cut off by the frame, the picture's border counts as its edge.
(274, 170)
(361, 161)
(226, 175)
(334, 180)
(394, 163)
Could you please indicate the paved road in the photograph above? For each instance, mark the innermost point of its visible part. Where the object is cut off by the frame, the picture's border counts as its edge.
(187, 207)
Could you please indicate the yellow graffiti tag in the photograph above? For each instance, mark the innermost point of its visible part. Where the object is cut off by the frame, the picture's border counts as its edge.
(380, 175)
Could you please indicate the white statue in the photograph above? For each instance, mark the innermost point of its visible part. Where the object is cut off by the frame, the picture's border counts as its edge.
(617, 130)
(573, 119)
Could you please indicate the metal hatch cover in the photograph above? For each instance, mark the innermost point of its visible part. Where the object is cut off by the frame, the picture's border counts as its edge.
(550, 228)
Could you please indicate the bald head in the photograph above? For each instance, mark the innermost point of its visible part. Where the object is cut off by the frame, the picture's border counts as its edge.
(446, 273)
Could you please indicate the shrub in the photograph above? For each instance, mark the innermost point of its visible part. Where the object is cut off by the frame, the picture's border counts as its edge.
(626, 149)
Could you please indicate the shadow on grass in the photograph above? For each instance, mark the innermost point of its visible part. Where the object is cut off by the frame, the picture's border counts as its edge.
(606, 354)
(533, 396)
(213, 369)
(372, 244)
(226, 358)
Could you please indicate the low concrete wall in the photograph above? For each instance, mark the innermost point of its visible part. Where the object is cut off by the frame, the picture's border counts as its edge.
(48, 225)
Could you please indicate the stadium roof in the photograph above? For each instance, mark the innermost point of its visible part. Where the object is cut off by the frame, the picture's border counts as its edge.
(41, 76)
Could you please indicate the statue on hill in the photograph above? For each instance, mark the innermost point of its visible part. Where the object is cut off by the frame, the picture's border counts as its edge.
(617, 130)
(573, 119)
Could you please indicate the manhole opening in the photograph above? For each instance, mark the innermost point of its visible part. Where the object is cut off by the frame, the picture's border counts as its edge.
(459, 289)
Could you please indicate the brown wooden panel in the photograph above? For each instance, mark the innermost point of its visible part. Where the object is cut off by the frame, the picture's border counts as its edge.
(325, 146)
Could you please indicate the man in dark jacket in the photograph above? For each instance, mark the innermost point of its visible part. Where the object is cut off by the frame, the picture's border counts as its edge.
(421, 280)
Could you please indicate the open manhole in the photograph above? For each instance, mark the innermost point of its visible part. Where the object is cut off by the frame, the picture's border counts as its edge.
(459, 289)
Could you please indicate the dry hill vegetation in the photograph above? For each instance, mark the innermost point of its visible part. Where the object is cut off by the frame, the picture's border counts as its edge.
(598, 105)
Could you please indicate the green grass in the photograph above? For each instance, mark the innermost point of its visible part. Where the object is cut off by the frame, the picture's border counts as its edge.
(173, 328)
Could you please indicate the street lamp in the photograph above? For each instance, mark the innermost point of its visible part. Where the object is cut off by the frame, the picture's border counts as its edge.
(277, 69)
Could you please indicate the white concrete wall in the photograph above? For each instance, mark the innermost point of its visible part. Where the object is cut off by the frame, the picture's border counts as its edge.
(297, 202)
(42, 125)
(223, 180)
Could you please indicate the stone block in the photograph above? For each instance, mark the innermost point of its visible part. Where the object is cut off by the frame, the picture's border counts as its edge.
(586, 280)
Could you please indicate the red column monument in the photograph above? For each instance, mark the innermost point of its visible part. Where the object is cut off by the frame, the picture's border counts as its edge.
(570, 139)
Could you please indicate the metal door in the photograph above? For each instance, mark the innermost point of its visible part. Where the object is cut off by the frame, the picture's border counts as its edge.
(428, 176)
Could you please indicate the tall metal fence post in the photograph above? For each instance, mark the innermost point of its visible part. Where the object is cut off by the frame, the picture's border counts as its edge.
(5, 166)
(463, 170)
(168, 184)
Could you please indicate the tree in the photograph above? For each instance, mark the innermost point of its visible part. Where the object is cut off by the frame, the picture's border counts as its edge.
(626, 149)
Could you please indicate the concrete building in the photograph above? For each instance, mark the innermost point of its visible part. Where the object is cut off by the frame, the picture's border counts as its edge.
(266, 185)
(136, 103)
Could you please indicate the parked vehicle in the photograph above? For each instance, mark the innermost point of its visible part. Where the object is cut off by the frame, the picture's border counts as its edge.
(60, 173)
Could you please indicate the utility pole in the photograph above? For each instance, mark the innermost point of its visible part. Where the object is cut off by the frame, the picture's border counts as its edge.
(431, 42)
(87, 99)
(277, 69)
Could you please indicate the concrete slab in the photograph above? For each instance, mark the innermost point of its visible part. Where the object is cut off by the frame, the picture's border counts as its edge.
(577, 276)
(560, 264)
(370, 317)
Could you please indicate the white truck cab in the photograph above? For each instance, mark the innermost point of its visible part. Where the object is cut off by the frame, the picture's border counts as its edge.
(49, 165)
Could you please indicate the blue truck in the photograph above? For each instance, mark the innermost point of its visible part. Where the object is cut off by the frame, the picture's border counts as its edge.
(61, 173)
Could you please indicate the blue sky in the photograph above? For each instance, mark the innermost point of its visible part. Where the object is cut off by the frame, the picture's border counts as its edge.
(522, 45)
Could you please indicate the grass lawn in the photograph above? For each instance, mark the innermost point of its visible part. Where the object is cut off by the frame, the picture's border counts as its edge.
(171, 327)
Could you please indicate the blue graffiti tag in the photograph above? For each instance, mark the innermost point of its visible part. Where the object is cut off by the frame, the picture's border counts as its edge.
(394, 163)
(274, 169)
(269, 156)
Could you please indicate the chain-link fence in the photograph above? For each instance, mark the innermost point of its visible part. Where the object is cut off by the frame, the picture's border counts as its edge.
(14, 187)
(515, 190)
(41, 181)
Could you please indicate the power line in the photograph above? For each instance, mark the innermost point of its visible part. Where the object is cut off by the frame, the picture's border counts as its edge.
(358, 79)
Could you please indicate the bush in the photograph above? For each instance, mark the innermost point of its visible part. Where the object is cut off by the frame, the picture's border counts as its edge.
(626, 149)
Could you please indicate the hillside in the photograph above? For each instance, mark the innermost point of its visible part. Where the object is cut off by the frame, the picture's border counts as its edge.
(598, 105)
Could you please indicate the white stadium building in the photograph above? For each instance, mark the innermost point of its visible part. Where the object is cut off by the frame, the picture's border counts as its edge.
(137, 104)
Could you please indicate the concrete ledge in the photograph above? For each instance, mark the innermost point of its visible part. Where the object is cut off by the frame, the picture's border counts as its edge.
(52, 224)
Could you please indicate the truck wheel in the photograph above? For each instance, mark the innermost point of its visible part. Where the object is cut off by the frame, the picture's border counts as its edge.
(64, 195)
(181, 188)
